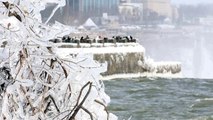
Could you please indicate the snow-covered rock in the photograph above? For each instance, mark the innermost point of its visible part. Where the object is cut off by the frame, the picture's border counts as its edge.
(124, 58)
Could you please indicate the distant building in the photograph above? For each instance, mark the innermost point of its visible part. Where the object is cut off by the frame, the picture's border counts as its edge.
(73, 6)
(208, 21)
(131, 12)
(108, 20)
(83, 9)
(175, 13)
(162, 7)
(156, 9)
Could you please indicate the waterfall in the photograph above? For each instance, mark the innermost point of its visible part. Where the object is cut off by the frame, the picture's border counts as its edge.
(193, 48)
(198, 57)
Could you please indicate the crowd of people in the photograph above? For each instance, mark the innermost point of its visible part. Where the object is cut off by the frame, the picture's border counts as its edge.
(98, 39)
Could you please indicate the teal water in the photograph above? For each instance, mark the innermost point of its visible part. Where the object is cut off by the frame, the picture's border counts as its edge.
(164, 99)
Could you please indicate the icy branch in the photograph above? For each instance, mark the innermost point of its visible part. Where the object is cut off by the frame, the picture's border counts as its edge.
(36, 82)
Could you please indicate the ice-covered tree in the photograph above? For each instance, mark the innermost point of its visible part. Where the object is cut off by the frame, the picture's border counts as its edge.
(39, 83)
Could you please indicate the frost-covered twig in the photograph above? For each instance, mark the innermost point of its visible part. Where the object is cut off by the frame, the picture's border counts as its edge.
(105, 108)
(88, 112)
(77, 105)
(48, 105)
(61, 3)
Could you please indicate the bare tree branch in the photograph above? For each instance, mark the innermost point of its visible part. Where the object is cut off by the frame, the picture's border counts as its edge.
(85, 97)
(105, 108)
(87, 111)
(46, 109)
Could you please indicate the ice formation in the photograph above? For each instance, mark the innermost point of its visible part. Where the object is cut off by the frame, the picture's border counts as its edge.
(124, 60)
(43, 85)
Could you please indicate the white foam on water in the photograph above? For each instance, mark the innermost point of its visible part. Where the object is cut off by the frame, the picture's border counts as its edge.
(137, 75)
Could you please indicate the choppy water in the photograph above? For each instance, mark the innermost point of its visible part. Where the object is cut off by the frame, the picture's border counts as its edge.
(151, 99)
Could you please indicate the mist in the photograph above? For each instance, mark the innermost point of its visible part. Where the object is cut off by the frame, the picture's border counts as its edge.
(192, 46)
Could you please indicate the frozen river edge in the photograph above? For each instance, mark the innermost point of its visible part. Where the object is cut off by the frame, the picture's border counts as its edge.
(127, 60)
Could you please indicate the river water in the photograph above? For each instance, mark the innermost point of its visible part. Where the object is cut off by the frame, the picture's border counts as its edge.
(160, 98)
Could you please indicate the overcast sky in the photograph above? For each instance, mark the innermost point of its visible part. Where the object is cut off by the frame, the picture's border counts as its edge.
(191, 1)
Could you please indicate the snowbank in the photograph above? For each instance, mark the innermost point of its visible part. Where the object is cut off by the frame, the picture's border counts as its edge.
(99, 49)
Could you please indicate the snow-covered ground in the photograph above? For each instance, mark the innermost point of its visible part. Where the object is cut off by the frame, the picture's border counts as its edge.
(98, 48)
